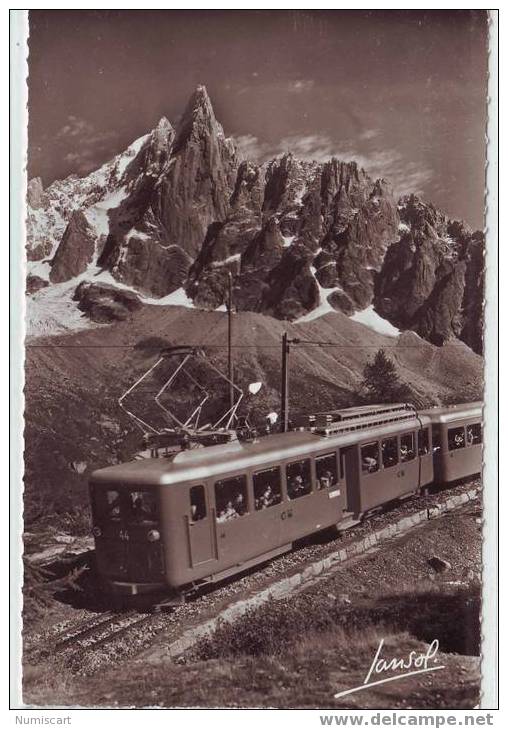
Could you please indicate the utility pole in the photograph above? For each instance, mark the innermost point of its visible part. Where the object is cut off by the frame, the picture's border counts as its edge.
(284, 390)
(230, 340)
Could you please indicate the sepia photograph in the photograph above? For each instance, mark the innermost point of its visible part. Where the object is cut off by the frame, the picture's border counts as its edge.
(254, 285)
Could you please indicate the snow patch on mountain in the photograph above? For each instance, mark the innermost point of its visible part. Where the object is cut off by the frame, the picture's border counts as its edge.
(371, 319)
(52, 310)
(324, 307)
(38, 268)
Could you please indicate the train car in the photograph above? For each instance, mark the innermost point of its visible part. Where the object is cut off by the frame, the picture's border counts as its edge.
(456, 441)
(208, 513)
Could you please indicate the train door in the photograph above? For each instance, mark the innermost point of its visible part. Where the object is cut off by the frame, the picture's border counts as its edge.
(266, 522)
(236, 542)
(349, 474)
(200, 527)
(330, 491)
(300, 515)
(439, 451)
(408, 472)
(425, 457)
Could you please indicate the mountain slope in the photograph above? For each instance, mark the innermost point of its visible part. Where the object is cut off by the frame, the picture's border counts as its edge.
(73, 381)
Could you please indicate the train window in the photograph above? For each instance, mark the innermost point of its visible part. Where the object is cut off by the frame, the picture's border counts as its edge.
(109, 504)
(436, 440)
(298, 479)
(423, 442)
(389, 452)
(370, 457)
(407, 447)
(197, 503)
(231, 498)
(474, 434)
(342, 456)
(456, 439)
(143, 506)
(326, 471)
(267, 488)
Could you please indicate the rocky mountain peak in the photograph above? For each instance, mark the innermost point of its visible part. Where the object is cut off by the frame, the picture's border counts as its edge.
(163, 132)
(197, 121)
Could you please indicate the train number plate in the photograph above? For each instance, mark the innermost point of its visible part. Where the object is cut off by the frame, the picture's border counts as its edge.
(334, 494)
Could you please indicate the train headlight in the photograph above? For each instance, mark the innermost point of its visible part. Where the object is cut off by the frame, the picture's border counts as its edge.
(97, 531)
(153, 535)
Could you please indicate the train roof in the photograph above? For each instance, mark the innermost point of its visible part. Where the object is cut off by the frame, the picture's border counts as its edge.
(454, 412)
(201, 463)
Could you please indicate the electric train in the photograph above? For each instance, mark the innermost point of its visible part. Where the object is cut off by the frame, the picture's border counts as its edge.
(172, 524)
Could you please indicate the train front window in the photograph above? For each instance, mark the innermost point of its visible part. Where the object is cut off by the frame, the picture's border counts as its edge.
(423, 442)
(267, 489)
(389, 452)
(370, 457)
(298, 479)
(142, 507)
(108, 504)
(456, 439)
(326, 471)
(231, 498)
(474, 434)
(197, 503)
(407, 447)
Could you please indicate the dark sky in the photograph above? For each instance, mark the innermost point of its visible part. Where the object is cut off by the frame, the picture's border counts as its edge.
(403, 92)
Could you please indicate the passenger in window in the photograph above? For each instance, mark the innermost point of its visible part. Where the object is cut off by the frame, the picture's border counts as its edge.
(197, 503)
(389, 452)
(138, 508)
(325, 480)
(239, 504)
(266, 499)
(406, 453)
(114, 503)
(458, 440)
(423, 443)
(197, 512)
(228, 512)
(406, 449)
(369, 464)
(296, 486)
(469, 435)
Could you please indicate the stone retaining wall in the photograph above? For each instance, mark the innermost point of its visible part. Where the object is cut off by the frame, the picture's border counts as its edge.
(283, 588)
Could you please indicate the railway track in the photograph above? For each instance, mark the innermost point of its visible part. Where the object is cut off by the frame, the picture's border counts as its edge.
(92, 633)
(96, 633)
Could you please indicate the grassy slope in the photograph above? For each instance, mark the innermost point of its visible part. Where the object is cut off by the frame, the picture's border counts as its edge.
(73, 382)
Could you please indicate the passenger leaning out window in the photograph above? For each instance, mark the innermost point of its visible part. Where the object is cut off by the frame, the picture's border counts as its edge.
(231, 498)
(370, 457)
